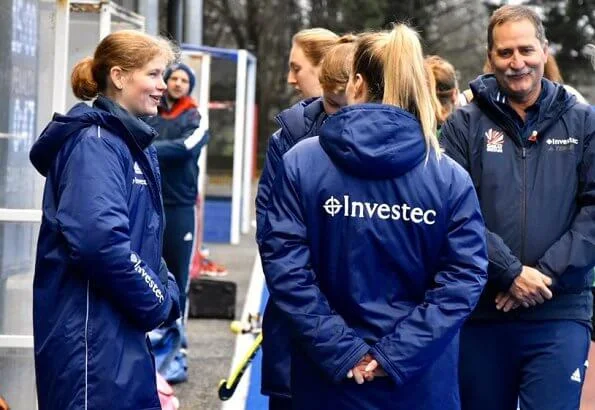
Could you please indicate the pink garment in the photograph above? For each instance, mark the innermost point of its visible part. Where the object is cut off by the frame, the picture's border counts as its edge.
(166, 395)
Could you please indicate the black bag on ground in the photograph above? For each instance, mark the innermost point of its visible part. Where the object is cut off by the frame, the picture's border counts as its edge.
(212, 299)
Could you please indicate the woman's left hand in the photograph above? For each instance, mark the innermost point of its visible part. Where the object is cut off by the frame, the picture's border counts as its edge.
(366, 370)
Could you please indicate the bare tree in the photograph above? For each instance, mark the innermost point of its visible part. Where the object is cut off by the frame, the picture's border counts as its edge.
(265, 28)
(458, 33)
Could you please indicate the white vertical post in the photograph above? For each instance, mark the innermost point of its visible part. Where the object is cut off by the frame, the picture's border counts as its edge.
(105, 19)
(150, 9)
(238, 147)
(61, 55)
(193, 10)
(203, 108)
(249, 150)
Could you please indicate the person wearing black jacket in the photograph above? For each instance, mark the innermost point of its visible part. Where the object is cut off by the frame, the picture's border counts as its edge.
(528, 146)
(178, 147)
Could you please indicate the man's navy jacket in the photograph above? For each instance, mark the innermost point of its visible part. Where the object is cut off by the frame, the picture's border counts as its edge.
(536, 186)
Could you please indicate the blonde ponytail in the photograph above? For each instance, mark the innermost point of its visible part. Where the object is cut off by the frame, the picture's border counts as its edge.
(406, 82)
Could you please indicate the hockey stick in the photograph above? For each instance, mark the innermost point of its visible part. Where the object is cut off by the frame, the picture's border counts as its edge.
(228, 386)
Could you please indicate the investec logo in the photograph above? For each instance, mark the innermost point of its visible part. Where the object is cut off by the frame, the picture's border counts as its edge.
(395, 212)
(148, 280)
(567, 141)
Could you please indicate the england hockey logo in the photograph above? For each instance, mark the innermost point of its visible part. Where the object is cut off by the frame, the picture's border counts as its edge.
(332, 206)
(494, 140)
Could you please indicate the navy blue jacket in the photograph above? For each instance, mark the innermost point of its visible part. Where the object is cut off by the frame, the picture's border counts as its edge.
(178, 150)
(537, 197)
(100, 283)
(368, 247)
(300, 121)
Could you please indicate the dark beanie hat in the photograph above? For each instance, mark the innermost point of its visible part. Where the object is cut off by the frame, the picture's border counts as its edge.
(184, 67)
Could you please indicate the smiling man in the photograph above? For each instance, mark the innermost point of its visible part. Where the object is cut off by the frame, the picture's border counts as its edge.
(528, 146)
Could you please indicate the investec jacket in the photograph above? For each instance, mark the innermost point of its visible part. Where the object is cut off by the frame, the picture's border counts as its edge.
(178, 148)
(97, 288)
(300, 121)
(537, 194)
(369, 248)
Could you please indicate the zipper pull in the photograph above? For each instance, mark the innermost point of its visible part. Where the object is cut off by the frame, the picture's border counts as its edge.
(524, 152)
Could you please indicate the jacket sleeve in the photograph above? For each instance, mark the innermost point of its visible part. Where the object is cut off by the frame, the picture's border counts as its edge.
(189, 142)
(265, 183)
(92, 215)
(575, 250)
(461, 275)
(504, 266)
(167, 278)
(293, 285)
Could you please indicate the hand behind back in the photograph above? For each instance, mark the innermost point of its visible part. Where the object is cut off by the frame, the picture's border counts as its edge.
(366, 370)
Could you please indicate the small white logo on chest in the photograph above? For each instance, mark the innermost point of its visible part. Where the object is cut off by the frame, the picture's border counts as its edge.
(137, 171)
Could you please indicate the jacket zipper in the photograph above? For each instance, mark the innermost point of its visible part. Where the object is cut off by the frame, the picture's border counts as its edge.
(523, 202)
(509, 126)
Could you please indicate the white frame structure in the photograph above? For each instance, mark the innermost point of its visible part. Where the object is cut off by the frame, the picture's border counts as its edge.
(106, 10)
(243, 146)
(18, 215)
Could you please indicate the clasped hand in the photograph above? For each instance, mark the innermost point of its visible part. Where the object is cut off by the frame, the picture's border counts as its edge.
(366, 370)
(528, 289)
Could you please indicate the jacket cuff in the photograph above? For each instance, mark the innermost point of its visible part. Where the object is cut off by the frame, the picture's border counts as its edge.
(543, 267)
(386, 364)
(506, 276)
(159, 316)
(352, 359)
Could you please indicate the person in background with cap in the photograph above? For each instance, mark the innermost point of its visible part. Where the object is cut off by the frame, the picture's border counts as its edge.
(178, 147)
(178, 150)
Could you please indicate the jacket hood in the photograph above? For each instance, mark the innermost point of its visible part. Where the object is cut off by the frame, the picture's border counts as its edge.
(104, 113)
(373, 141)
(299, 119)
(553, 102)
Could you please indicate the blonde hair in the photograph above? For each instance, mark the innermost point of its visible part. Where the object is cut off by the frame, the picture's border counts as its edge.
(445, 84)
(368, 61)
(315, 43)
(392, 64)
(336, 65)
(406, 81)
(128, 49)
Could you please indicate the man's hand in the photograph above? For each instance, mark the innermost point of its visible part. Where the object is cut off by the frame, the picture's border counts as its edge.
(506, 301)
(531, 287)
(366, 369)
